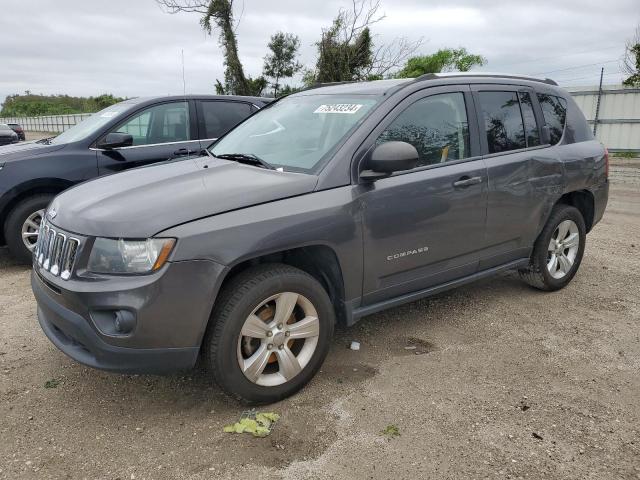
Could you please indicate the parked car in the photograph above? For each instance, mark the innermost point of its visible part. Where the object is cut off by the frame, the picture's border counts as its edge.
(16, 127)
(326, 206)
(7, 135)
(129, 134)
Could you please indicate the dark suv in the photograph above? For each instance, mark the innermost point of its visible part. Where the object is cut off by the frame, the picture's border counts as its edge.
(129, 134)
(328, 205)
(16, 127)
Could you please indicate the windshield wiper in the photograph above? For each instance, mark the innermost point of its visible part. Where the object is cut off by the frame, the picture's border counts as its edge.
(249, 158)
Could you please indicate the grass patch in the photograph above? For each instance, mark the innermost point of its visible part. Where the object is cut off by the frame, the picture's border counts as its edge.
(391, 431)
(53, 383)
(626, 154)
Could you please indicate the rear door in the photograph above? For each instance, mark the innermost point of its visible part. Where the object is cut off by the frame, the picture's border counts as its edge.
(426, 226)
(161, 131)
(217, 117)
(521, 170)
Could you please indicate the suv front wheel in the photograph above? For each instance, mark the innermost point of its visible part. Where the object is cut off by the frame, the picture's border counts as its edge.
(270, 332)
(558, 251)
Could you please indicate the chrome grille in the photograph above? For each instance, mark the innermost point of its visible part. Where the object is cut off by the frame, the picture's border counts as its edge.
(56, 251)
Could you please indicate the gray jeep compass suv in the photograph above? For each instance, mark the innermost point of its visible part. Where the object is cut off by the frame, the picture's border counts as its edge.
(323, 207)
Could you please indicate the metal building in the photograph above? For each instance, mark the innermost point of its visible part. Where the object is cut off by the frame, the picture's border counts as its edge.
(618, 126)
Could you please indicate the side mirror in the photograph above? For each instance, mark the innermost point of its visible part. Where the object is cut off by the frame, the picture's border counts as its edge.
(115, 140)
(389, 157)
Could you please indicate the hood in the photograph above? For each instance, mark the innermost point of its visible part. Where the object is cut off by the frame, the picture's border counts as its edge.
(24, 150)
(141, 202)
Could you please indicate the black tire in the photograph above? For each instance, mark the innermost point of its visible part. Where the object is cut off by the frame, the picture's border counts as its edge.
(15, 220)
(537, 274)
(235, 303)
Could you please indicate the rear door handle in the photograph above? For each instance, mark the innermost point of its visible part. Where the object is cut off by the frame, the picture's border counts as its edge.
(465, 181)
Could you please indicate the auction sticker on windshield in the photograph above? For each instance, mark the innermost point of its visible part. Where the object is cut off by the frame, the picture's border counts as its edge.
(339, 108)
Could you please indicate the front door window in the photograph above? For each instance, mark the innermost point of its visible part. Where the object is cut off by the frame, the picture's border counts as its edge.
(168, 122)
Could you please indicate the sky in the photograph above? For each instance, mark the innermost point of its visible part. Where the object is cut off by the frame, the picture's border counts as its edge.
(134, 48)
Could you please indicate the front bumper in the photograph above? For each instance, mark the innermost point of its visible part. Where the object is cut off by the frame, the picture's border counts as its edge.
(171, 309)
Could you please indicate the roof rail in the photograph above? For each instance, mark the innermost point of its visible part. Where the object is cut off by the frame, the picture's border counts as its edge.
(434, 76)
(326, 84)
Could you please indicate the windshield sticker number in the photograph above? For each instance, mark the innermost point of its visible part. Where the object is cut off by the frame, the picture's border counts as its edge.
(348, 108)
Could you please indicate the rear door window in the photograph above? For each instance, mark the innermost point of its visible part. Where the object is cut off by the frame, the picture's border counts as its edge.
(503, 121)
(218, 117)
(554, 110)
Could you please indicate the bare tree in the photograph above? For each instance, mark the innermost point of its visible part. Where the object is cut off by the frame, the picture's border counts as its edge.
(631, 60)
(188, 6)
(392, 56)
(346, 50)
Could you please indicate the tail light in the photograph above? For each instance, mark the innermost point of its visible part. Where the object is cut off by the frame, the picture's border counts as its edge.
(606, 162)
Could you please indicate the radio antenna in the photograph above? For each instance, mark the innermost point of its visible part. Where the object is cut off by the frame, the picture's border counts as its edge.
(186, 103)
(184, 83)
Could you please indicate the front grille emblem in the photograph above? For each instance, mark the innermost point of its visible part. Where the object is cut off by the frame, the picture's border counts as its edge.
(52, 214)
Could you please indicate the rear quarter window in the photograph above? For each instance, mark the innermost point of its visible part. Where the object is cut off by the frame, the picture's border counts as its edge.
(554, 110)
(576, 128)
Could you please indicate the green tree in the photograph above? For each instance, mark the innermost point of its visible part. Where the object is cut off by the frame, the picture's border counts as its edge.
(288, 90)
(219, 13)
(30, 105)
(281, 62)
(444, 60)
(631, 61)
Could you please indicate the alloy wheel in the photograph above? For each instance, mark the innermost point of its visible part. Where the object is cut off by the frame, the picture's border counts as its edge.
(563, 249)
(278, 339)
(31, 228)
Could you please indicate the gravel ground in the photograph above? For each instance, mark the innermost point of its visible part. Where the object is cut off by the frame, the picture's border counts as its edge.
(504, 382)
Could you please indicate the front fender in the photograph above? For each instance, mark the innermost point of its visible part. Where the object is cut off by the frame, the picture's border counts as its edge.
(330, 218)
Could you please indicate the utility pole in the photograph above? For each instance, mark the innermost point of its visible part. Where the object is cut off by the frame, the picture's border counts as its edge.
(595, 120)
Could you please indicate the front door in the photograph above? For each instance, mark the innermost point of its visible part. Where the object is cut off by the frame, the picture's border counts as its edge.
(159, 132)
(426, 226)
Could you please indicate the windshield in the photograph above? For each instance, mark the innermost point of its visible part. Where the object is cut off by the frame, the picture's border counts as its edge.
(297, 133)
(89, 125)
(5, 127)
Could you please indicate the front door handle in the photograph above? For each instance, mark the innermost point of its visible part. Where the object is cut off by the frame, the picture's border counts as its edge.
(466, 181)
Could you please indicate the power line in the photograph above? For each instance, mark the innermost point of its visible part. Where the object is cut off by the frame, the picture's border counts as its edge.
(561, 56)
(577, 66)
(595, 74)
(564, 80)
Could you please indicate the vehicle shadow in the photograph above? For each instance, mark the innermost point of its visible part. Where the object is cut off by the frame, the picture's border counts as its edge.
(7, 262)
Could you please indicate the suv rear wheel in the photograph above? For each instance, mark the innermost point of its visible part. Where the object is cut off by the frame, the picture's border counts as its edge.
(271, 330)
(22, 225)
(558, 251)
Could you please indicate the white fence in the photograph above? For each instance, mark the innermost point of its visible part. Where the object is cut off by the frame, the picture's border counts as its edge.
(618, 126)
(51, 123)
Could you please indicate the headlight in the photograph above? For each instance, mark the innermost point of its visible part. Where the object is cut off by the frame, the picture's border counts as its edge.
(129, 256)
